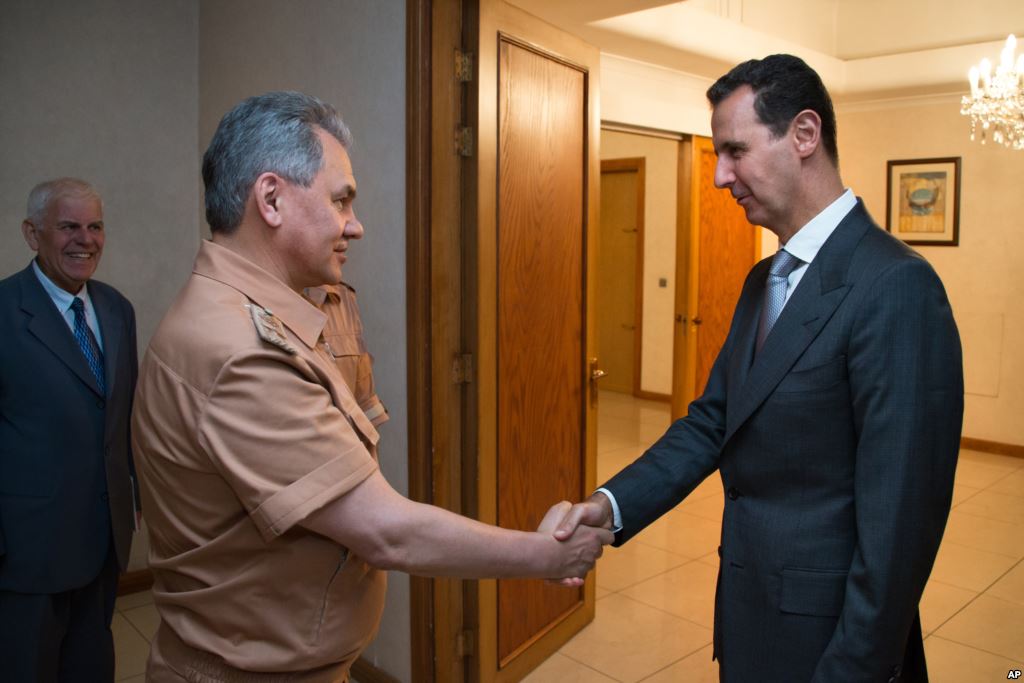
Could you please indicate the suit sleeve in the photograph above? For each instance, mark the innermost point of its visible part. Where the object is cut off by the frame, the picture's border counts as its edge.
(133, 370)
(688, 452)
(906, 383)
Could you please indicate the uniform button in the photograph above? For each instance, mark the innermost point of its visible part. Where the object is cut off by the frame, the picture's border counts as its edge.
(733, 493)
(99, 403)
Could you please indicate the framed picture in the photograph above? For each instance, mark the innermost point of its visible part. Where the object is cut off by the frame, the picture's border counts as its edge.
(922, 204)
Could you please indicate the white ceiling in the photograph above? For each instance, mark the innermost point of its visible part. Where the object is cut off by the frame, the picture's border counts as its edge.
(863, 49)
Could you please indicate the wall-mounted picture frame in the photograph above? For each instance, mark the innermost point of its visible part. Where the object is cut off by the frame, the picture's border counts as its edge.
(922, 205)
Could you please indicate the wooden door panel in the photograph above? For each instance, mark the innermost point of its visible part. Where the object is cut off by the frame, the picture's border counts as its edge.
(541, 250)
(618, 286)
(533, 197)
(725, 254)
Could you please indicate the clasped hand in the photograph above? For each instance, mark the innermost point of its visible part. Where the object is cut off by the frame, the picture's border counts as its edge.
(582, 533)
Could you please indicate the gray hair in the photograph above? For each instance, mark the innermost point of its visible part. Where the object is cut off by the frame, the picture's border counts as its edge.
(42, 196)
(275, 132)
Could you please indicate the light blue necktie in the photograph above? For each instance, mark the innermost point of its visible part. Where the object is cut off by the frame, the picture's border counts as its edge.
(87, 341)
(783, 264)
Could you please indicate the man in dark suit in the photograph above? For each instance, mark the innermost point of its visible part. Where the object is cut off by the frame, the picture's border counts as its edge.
(834, 424)
(67, 512)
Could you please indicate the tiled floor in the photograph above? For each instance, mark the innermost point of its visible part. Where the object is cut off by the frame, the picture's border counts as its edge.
(655, 594)
(135, 622)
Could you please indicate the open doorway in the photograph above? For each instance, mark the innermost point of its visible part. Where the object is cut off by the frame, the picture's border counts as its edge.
(637, 272)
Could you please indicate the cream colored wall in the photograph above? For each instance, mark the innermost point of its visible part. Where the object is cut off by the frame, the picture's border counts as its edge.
(107, 92)
(984, 276)
(660, 170)
(644, 94)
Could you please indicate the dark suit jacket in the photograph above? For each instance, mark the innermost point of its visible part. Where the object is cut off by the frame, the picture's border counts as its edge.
(66, 472)
(837, 447)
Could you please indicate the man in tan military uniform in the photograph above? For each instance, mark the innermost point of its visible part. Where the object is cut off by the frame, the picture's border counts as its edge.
(269, 519)
(343, 336)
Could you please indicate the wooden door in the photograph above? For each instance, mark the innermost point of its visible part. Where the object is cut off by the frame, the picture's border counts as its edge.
(723, 248)
(535, 170)
(620, 265)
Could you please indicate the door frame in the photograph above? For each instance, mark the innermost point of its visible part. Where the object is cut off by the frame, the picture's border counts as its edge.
(635, 165)
(434, 318)
(442, 396)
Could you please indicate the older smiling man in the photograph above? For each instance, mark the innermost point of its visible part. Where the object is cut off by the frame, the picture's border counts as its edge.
(67, 375)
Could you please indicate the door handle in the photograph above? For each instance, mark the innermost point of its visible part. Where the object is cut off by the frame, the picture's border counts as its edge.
(596, 373)
(697, 321)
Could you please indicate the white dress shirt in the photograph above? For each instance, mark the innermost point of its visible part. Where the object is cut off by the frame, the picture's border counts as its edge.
(63, 299)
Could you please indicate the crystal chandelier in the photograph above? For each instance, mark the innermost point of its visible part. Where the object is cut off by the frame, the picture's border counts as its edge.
(996, 103)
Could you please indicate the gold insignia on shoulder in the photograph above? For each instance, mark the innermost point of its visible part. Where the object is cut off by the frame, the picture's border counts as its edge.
(270, 328)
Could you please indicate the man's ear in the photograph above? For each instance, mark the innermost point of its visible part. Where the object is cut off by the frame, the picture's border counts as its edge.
(806, 129)
(28, 231)
(266, 193)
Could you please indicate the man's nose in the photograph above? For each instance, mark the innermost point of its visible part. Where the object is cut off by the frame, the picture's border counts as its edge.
(84, 235)
(723, 174)
(353, 229)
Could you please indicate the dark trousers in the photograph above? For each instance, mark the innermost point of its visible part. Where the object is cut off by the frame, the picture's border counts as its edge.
(60, 637)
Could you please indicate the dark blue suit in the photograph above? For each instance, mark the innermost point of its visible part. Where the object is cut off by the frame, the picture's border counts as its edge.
(66, 473)
(837, 447)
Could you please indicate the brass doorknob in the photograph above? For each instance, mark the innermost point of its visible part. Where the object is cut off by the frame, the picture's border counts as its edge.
(597, 373)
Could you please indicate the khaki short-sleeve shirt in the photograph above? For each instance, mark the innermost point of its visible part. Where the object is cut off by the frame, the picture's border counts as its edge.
(343, 336)
(242, 427)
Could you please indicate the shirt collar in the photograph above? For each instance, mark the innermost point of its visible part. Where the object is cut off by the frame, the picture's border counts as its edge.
(318, 295)
(224, 265)
(808, 240)
(61, 297)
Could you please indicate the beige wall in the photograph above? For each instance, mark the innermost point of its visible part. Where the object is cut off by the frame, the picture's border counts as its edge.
(984, 276)
(106, 91)
(660, 169)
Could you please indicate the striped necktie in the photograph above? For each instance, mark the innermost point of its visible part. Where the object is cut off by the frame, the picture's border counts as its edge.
(783, 264)
(87, 341)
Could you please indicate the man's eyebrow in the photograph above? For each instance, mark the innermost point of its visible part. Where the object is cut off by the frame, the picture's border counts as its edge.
(67, 223)
(730, 146)
(346, 192)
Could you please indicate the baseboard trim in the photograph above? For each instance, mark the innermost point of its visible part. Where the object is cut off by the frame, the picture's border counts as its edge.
(134, 582)
(364, 672)
(653, 396)
(992, 447)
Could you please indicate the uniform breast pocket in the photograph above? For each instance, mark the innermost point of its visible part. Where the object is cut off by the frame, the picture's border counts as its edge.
(342, 345)
(816, 378)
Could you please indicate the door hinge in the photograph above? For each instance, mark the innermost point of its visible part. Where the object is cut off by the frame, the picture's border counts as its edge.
(462, 369)
(464, 141)
(463, 66)
(465, 644)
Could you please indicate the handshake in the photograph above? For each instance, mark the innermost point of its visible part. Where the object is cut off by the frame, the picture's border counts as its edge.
(581, 531)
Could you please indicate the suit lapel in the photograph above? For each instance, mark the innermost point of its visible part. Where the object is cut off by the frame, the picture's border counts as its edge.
(820, 292)
(112, 328)
(747, 312)
(47, 325)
